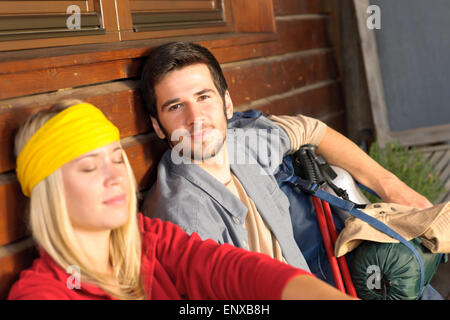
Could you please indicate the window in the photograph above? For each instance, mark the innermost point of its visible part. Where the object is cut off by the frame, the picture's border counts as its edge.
(149, 18)
(31, 24)
(37, 24)
(23, 20)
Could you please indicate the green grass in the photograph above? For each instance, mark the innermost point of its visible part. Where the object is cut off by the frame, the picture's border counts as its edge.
(409, 165)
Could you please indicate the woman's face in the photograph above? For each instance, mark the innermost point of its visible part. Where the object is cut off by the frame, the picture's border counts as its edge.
(97, 189)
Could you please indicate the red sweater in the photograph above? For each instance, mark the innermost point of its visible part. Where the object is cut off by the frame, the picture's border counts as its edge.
(174, 266)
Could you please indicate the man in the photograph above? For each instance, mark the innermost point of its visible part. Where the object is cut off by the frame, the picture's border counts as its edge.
(215, 193)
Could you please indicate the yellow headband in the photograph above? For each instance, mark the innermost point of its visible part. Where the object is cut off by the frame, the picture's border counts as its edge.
(72, 132)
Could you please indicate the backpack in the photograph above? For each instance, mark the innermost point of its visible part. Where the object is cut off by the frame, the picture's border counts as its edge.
(402, 276)
(303, 217)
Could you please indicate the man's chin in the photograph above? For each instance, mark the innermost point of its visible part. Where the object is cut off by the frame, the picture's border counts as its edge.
(207, 153)
(204, 155)
(201, 151)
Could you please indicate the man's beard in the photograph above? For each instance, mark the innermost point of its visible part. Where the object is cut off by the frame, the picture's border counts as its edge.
(182, 143)
(209, 152)
(204, 153)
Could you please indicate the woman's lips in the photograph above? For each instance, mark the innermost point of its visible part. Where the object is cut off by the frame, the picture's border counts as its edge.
(116, 201)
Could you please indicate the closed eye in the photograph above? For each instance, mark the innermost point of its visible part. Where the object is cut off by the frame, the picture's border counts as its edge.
(119, 160)
(118, 155)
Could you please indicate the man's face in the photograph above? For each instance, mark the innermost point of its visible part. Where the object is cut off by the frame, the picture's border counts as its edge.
(192, 112)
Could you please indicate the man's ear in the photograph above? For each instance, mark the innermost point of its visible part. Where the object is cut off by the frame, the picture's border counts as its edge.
(228, 105)
(157, 128)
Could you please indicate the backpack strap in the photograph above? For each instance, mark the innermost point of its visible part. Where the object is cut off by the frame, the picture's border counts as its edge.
(365, 188)
(315, 190)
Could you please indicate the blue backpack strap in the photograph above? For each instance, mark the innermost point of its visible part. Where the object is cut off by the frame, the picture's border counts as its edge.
(368, 190)
(315, 190)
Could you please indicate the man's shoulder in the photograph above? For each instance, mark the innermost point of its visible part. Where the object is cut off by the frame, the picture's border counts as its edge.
(185, 205)
(251, 119)
(258, 139)
(175, 204)
(171, 187)
(192, 212)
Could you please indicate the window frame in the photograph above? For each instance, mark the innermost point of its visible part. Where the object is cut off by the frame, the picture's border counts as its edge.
(240, 16)
(108, 26)
(127, 28)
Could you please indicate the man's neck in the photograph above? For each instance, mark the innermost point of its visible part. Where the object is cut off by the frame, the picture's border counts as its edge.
(218, 166)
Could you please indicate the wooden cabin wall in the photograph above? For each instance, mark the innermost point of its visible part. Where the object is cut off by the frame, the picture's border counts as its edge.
(299, 73)
(294, 72)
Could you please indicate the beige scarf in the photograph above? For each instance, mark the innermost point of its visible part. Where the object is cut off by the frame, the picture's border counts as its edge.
(432, 225)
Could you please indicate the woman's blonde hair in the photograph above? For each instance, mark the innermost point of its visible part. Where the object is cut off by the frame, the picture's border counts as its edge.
(52, 230)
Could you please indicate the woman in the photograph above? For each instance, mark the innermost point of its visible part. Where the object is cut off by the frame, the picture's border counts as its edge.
(94, 245)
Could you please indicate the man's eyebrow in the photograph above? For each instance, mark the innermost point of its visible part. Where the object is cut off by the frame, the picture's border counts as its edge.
(203, 92)
(169, 102)
(175, 100)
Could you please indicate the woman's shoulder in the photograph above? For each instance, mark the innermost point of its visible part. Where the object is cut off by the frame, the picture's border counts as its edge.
(163, 232)
(155, 225)
(39, 282)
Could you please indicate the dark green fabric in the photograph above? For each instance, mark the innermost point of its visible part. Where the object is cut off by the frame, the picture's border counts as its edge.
(398, 268)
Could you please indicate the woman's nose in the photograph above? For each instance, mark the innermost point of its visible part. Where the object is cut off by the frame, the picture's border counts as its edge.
(113, 174)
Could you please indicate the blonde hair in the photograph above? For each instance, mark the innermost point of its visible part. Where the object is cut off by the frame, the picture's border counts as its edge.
(52, 229)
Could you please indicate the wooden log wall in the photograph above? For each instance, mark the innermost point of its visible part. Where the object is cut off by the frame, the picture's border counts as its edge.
(294, 72)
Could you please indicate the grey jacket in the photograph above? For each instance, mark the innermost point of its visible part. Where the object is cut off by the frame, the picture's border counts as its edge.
(188, 196)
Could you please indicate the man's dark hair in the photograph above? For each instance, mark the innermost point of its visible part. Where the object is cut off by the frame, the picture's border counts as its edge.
(172, 56)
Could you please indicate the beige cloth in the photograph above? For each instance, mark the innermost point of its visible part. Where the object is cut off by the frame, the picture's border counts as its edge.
(301, 129)
(260, 238)
(432, 225)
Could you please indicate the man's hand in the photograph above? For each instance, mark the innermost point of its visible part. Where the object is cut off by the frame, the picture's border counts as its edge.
(342, 152)
(396, 191)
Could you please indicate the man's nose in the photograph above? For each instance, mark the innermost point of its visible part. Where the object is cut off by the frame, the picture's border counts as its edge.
(195, 114)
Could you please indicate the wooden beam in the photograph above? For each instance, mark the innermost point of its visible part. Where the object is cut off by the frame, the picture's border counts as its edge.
(354, 86)
(422, 136)
(373, 72)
